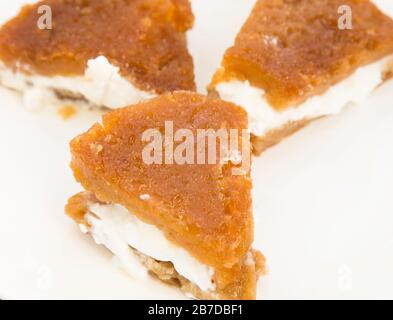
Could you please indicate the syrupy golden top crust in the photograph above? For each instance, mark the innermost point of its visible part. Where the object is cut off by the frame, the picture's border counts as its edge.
(293, 49)
(203, 208)
(145, 38)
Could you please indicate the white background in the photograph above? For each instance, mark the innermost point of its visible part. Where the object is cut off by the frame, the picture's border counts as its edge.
(323, 198)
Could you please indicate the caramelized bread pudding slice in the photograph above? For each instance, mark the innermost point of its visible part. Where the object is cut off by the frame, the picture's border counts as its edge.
(293, 62)
(110, 53)
(189, 224)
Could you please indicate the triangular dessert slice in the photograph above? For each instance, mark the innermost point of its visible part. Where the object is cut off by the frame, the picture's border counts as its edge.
(296, 61)
(108, 53)
(187, 218)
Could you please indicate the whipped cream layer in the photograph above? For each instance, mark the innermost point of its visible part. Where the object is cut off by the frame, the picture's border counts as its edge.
(264, 118)
(101, 85)
(117, 229)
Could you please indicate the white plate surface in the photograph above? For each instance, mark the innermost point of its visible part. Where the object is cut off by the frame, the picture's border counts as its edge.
(323, 198)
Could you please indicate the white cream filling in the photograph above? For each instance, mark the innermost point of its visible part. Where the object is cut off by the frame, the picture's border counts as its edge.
(263, 117)
(101, 85)
(117, 229)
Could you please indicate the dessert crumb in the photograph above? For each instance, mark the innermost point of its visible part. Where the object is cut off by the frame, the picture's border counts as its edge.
(67, 111)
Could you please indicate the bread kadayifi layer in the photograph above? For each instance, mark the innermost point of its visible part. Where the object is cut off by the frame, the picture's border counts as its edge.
(104, 53)
(191, 225)
(293, 62)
